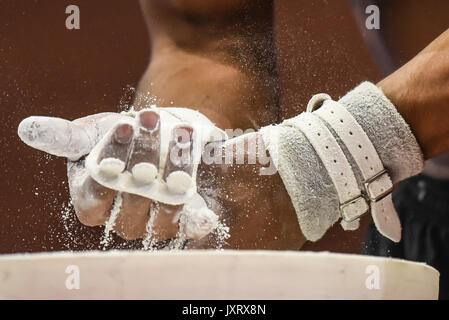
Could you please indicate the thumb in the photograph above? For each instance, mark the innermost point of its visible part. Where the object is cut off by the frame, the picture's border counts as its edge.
(63, 138)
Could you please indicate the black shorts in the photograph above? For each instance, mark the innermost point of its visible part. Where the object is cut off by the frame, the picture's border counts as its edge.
(422, 203)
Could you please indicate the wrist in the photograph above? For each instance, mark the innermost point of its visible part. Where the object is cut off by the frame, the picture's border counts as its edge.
(387, 129)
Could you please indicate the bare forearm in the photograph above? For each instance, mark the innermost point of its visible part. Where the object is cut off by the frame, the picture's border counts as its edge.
(420, 92)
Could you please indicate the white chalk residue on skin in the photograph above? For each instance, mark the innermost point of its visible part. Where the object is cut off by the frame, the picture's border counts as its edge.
(148, 242)
(196, 223)
(111, 221)
(178, 242)
(196, 219)
(217, 229)
(78, 175)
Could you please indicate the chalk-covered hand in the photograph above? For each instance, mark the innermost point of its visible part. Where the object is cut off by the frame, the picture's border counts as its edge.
(127, 146)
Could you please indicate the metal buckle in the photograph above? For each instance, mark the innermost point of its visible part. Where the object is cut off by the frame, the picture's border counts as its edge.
(367, 183)
(347, 203)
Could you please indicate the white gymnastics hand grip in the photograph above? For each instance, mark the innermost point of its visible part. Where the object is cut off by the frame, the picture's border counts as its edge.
(145, 179)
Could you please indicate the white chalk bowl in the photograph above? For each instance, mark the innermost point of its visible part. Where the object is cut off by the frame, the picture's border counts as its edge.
(210, 274)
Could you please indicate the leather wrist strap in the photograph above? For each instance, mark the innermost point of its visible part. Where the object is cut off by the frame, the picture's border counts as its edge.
(376, 180)
(352, 204)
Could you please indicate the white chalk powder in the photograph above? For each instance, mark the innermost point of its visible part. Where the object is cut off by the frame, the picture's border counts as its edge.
(148, 242)
(144, 172)
(111, 221)
(111, 167)
(221, 234)
(197, 223)
(179, 182)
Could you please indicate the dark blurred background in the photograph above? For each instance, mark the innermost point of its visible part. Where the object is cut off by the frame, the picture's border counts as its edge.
(46, 69)
(49, 70)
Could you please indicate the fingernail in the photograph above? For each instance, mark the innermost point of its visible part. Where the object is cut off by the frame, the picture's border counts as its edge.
(149, 119)
(183, 134)
(124, 133)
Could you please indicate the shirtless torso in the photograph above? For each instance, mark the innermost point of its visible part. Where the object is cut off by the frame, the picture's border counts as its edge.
(217, 57)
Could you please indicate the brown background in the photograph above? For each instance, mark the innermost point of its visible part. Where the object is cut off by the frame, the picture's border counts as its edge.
(46, 69)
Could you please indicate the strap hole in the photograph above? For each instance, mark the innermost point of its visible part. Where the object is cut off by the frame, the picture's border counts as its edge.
(371, 168)
(341, 173)
(366, 158)
(335, 161)
(327, 147)
(346, 184)
(341, 120)
(350, 132)
(310, 124)
(319, 134)
(360, 146)
(332, 111)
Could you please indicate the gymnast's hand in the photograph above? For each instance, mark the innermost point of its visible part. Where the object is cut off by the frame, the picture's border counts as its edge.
(92, 201)
(255, 207)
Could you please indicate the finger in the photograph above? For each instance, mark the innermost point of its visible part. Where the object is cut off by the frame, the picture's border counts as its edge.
(91, 200)
(133, 216)
(179, 162)
(137, 213)
(144, 160)
(143, 163)
(64, 138)
(164, 222)
(114, 155)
